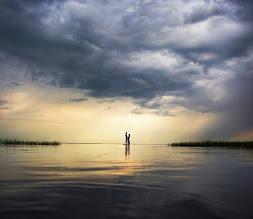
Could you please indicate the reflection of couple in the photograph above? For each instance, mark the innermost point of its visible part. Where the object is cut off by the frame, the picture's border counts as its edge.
(127, 151)
(127, 138)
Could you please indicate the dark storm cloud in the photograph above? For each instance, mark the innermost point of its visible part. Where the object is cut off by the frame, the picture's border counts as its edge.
(202, 13)
(78, 99)
(245, 12)
(142, 49)
(237, 117)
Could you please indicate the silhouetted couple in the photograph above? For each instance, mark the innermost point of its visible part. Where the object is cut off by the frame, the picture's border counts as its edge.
(127, 138)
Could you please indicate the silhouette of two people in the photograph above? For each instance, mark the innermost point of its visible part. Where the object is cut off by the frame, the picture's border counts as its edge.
(127, 139)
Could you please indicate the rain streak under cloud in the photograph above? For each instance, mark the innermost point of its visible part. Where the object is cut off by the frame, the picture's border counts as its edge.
(163, 55)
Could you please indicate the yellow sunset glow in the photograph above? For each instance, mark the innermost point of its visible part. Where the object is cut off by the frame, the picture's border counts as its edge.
(36, 115)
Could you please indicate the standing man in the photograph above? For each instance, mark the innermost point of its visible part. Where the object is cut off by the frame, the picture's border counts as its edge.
(126, 138)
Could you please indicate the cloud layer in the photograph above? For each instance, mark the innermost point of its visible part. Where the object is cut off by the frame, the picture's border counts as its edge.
(162, 54)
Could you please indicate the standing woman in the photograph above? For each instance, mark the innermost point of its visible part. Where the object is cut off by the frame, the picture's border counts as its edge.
(128, 139)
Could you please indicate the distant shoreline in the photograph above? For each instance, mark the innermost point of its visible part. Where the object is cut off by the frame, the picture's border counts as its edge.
(27, 142)
(214, 144)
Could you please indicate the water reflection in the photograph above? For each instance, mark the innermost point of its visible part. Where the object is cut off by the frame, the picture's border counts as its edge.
(127, 152)
(101, 181)
(247, 152)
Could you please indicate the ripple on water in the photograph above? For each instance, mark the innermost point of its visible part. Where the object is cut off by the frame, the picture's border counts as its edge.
(145, 181)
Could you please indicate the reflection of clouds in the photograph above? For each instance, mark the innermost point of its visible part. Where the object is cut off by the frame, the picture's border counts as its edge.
(158, 181)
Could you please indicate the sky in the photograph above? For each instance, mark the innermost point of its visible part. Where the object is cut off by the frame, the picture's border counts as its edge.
(90, 70)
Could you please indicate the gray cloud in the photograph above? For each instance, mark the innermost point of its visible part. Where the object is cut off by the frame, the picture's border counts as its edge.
(5, 108)
(2, 102)
(194, 51)
(78, 99)
(16, 84)
(106, 101)
(237, 117)
(204, 12)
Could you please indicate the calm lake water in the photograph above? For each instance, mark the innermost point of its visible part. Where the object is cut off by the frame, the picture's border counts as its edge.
(112, 181)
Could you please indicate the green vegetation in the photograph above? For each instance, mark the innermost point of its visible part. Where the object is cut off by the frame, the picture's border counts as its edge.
(27, 142)
(215, 144)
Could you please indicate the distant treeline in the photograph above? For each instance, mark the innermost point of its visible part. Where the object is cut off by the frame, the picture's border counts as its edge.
(27, 142)
(215, 144)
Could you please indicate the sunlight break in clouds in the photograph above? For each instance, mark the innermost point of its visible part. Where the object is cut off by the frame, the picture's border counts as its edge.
(157, 64)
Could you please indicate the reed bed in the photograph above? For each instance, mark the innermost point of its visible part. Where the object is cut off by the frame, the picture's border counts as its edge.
(27, 142)
(214, 144)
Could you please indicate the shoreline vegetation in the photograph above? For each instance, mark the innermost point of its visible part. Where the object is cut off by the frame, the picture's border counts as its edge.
(214, 144)
(27, 142)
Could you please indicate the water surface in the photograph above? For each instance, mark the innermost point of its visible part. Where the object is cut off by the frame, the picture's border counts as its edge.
(114, 181)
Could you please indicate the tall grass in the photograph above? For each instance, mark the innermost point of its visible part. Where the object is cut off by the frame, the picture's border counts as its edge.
(215, 144)
(13, 141)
